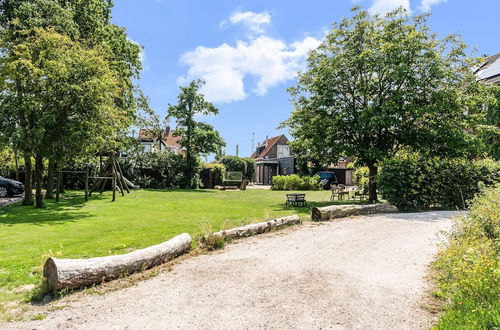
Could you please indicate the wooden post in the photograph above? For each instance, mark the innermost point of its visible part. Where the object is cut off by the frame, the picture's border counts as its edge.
(117, 175)
(58, 188)
(114, 186)
(86, 182)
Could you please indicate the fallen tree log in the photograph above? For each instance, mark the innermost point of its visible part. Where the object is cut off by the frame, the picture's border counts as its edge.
(76, 273)
(340, 211)
(256, 228)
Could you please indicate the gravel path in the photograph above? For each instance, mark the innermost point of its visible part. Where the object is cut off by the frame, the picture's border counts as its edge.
(358, 273)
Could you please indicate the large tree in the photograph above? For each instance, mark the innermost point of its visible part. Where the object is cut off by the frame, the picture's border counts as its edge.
(57, 96)
(198, 138)
(86, 24)
(377, 84)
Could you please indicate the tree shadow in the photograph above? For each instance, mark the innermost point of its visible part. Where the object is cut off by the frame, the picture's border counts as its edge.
(67, 209)
(197, 191)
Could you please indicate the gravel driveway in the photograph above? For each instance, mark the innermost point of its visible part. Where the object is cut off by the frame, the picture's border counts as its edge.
(358, 273)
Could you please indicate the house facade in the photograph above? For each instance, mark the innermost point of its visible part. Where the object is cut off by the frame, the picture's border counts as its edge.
(168, 141)
(273, 157)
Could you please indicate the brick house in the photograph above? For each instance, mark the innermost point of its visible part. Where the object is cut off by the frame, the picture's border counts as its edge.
(273, 157)
(154, 144)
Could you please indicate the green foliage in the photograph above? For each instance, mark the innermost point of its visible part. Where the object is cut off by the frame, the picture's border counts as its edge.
(377, 84)
(361, 176)
(156, 170)
(198, 138)
(251, 167)
(414, 182)
(218, 172)
(234, 164)
(295, 182)
(468, 268)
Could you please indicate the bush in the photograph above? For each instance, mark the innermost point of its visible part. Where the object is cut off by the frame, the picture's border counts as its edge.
(295, 182)
(218, 171)
(251, 167)
(412, 182)
(158, 170)
(468, 269)
(234, 164)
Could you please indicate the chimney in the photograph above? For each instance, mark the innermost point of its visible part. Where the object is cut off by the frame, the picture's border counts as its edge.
(167, 130)
(267, 138)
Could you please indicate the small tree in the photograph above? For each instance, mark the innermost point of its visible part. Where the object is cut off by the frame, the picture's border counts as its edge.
(377, 84)
(198, 138)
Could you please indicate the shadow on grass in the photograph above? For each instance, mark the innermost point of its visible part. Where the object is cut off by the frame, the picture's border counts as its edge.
(67, 209)
(206, 191)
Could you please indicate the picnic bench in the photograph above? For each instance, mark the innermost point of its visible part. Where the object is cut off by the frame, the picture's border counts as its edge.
(296, 200)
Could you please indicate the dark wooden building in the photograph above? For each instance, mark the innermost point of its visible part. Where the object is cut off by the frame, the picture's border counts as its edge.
(273, 157)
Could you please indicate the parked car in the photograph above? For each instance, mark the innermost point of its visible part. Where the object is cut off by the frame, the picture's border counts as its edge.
(327, 178)
(10, 187)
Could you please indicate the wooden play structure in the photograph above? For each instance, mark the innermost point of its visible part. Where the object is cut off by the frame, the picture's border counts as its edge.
(109, 171)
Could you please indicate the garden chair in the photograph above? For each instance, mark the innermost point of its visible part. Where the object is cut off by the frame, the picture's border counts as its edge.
(341, 192)
(361, 193)
(334, 189)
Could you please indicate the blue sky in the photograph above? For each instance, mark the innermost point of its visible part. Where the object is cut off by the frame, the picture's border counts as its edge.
(249, 51)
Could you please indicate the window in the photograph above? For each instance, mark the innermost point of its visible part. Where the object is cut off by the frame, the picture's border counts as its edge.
(283, 151)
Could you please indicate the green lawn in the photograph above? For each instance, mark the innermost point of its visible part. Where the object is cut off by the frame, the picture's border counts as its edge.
(74, 229)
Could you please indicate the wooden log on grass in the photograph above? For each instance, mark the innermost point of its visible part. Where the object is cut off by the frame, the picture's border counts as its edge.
(76, 273)
(340, 211)
(256, 228)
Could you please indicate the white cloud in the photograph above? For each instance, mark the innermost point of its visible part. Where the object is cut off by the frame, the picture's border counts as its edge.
(426, 5)
(251, 20)
(224, 68)
(385, 6)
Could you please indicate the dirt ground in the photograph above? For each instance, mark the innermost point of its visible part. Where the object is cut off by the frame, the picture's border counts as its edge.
(356, 273)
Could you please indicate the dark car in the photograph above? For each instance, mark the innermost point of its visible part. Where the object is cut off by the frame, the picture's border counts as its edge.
(327, 178)
(10, 187)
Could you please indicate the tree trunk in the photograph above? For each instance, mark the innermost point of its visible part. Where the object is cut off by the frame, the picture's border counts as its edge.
(28, 192)
(38, 181)
(256, 228)
(331, 212)
(75, 273)
(17, 165)
(51, 171)
(372, 183)
(60, 182)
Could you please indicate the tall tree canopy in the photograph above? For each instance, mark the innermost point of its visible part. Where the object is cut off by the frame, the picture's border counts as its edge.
(198, 138)
(377, 84)
(69, 71)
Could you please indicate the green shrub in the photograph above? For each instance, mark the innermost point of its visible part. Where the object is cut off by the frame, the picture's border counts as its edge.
(468, 269)
(361, 176)
(295, 182)
(412, 182)
(157, 170)
(218, 171)
(251, 167)
(234, 164)
(278, 182)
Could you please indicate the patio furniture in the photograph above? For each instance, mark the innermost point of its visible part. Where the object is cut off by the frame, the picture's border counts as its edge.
(362, 193)
(334, 189)
(296, 200)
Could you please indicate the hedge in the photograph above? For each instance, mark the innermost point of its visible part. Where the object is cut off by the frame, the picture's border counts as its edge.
(157, 170)
(295, 182)
(416, 183)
